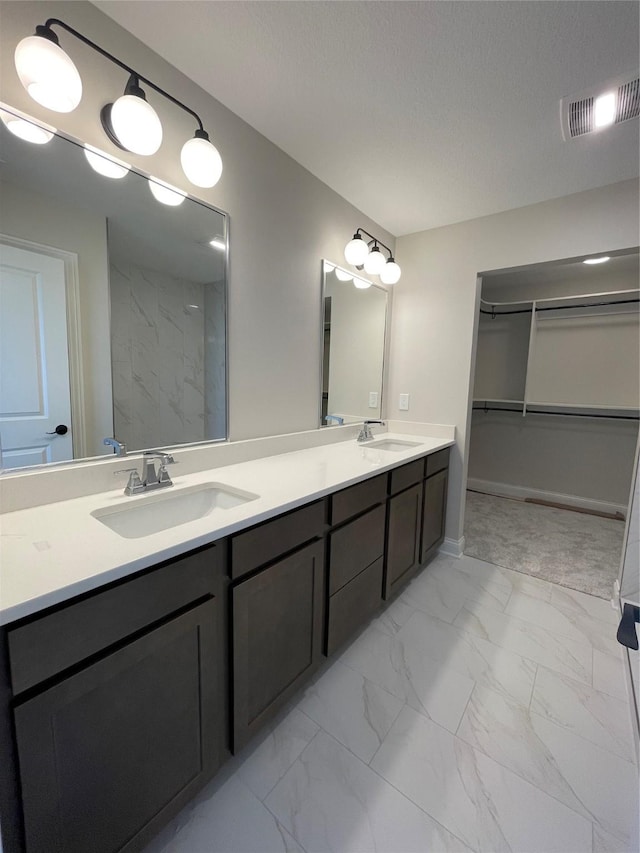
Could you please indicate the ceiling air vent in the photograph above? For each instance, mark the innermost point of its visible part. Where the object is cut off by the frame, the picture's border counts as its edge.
(579, 112)
(628, 101)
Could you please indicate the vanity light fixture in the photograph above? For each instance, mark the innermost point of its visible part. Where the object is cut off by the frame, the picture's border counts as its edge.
(362, 254)
(25, 127)
(361, 283)
(165, 193)
(601, 260)
(104, 164)
(131, 123)
(341, 275)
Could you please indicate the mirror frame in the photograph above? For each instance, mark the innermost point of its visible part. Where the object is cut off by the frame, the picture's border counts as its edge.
(75, 370)
(385, 341)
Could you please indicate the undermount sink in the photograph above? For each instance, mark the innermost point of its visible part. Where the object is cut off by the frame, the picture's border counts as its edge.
(149, 514)
(395, 445)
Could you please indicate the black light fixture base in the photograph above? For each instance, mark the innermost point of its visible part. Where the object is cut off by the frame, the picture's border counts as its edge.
(105, 120)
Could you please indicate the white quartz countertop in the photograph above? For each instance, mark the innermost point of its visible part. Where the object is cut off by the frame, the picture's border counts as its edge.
(51, 553)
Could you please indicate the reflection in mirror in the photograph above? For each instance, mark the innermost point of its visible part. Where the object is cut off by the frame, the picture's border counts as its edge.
(355, 313)
(112, 308)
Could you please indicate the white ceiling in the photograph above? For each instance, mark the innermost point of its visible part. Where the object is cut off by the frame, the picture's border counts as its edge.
(419, 113)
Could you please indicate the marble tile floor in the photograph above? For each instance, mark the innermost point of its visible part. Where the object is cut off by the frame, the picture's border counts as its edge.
(485, 710)
(573, 549)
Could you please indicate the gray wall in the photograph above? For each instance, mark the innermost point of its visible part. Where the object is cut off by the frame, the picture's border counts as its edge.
(282, 219)
(435, 303)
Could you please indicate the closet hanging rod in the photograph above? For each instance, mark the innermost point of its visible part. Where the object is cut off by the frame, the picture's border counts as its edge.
(494, 313)
(587, 305)
(560, 414)
(607, 294)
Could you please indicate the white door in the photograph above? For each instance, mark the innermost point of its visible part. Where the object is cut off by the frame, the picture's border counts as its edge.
(35, 398)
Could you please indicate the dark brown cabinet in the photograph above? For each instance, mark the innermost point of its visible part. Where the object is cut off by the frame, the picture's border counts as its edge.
(433, 514)
(277, 636)
(106, 752)
(403, 538)
(117, 701)
(356, 559)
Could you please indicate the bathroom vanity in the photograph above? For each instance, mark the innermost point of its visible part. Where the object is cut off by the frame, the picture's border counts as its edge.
(126, 695)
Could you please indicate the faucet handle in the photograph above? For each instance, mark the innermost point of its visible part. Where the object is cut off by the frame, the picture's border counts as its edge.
(134, 484)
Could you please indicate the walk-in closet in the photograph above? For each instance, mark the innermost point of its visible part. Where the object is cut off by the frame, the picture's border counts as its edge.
(555, 419)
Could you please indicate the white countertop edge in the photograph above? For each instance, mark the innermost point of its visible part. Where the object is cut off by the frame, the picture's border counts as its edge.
(79, 548)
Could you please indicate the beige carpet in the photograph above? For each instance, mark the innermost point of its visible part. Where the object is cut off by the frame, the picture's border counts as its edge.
(569, 548)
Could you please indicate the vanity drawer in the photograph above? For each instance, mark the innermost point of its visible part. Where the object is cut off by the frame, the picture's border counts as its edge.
(355, 546)
(437, 461)
(262, 544)
(42, 648)
(407, 475)
(353, 605)
(358, 498)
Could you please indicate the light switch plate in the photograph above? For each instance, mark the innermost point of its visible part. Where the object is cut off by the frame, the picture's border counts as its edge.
(373, 399)
(404, 403)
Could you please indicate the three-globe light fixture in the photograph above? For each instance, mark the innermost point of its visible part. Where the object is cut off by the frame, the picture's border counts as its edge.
(361, 253)
(131, 123)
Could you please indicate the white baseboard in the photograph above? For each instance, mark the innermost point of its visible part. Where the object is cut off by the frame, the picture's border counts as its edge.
(508, 491)
(452, 547)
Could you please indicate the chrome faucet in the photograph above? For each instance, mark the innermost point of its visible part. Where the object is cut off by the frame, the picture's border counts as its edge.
(151, 479)
(119, 447)
(365, 433)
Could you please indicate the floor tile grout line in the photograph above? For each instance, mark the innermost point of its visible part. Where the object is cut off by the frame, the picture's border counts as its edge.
(479, 749)
(581, 737)
(533, 685)
(280, 778)
(473, 689)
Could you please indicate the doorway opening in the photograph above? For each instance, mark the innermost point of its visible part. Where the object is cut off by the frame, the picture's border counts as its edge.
(555, 420)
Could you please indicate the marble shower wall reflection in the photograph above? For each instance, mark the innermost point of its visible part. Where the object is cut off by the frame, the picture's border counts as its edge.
(164, 389)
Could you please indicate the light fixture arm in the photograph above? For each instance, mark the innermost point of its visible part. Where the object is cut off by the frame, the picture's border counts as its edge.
(46, 32)
(375, 240)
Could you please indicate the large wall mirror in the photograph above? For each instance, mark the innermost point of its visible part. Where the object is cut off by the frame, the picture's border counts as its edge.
(112, 308)
(354, 312)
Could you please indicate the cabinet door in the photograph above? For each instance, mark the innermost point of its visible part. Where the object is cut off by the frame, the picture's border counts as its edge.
(277, 628)
(433, 518)
(403, 542)
(110, 753)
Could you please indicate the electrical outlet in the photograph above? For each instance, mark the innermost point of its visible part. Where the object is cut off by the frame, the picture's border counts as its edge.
(404, 403)
(373, 399)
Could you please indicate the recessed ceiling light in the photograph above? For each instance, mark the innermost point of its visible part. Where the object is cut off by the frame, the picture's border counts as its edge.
(597, 260)
(604, 110)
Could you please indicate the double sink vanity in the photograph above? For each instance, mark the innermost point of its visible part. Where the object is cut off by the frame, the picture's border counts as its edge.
(146, 638)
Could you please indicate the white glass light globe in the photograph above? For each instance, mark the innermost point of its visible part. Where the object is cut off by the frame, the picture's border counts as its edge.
(374, 262)
(328, 268)
(341, 275)
(165, 193)
(136, 124)
(26, 129)
(201, 162)
(361, 283)
(104, 164)
(356, 251)
(390, 273)
(48, 75)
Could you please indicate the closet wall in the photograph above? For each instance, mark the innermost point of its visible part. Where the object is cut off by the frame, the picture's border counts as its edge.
(584, 356)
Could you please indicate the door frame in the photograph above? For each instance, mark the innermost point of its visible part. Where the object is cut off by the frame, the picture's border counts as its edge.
(74, 334)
